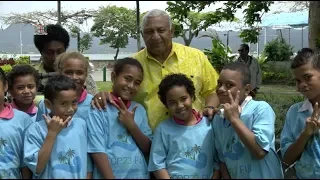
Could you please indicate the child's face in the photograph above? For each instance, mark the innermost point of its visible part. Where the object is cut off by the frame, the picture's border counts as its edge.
(231, 80)
(75, 69)
(127, 83)
(307, 80)
(3, 89)
(24, 89)
(179, 102)
(64, 105)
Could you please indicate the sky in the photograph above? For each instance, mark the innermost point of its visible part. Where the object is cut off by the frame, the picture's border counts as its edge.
(7, 7)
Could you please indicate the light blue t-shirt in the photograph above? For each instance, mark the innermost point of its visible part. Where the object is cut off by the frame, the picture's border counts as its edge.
(308, 166)
(259, 118)
(11, 144)
(82, 112)
(107, 135)
(68, 158)
(186, 152)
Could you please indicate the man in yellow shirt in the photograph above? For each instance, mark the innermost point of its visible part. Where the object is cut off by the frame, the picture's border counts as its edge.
(162, 57)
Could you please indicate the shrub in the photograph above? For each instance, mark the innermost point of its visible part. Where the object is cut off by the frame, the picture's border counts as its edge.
(280, 104)
(278, 50)
(219, 55)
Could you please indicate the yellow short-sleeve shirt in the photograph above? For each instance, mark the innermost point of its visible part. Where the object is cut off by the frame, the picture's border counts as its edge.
(182, 59)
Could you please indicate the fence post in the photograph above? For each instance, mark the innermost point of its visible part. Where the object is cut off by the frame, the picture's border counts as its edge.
(104, 74)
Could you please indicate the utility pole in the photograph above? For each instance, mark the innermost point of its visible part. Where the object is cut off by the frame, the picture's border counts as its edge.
(59, 12)
(138, 26)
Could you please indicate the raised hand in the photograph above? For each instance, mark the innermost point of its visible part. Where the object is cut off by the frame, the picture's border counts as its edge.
(56, 124)
(125, 116)
(231, 110)
(313, 123)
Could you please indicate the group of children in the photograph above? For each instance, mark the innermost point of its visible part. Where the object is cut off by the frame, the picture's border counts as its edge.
(65, 138)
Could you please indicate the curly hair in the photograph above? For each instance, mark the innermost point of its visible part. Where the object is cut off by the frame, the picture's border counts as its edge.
(55, 32)
(173, 80)
(22, 70)
(57, 84)
(305, 56)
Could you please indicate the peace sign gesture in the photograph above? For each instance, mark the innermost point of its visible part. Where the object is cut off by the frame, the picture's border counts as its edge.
(313, 123)
(56, 124)
(125, 116)
(232, 109)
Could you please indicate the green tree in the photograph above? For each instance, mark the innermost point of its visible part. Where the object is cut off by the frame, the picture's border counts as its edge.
(115, 25)
(252, 13)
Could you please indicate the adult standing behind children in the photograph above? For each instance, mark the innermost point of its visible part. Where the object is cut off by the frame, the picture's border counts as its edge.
(50, 45)
(254, 67)
(162, 57)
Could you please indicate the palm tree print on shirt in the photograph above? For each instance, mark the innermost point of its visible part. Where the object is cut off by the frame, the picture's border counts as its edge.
(192, 154)
(123, 137)
(67, 157)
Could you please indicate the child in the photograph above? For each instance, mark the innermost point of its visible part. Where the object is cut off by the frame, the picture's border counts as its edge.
(182, 145)
(75, 66)
(13, 124)
(23, 82)
(120, 137)
(244, 129)
(300, 134)
(56, 146)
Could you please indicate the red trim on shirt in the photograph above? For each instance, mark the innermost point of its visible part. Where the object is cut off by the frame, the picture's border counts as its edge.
(116, 100)
(182, 122)
(7, 112)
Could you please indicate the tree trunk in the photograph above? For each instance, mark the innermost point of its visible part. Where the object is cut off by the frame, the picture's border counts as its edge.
(116, 56)
(138, 26)
(314, 24)
(78, 41)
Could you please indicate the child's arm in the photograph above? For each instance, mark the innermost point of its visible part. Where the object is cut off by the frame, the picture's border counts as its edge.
(126, 117)
(103, 165)
(142, 140)
(216, 174)
(89, 175)
(161, 174)
(224, 171)
(55, 125)
(292, 148)
(26, 173)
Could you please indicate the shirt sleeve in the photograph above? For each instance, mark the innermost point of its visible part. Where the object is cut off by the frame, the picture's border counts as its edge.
(219, 155)
(158, 152)
(287, 137)
(263, 125)
(27, 122)
(32, 145)
(209, 77)
(96, 131)
(216, 163)
(41, 110)
(144, 126)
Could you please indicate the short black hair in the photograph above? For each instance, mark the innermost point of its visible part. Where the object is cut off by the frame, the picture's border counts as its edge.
(242, 68)
(121, 63)
(22, 70)
(304, 58)
(57, 84)
(245, 46)
(172, 80)
(306, 52)
(54, 32)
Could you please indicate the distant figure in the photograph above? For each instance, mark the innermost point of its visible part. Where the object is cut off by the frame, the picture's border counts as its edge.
(254, 67)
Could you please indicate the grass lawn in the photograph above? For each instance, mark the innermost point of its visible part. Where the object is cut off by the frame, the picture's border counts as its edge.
(105, 86)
